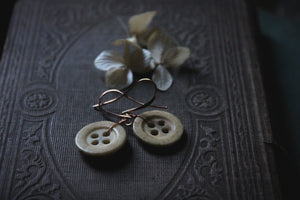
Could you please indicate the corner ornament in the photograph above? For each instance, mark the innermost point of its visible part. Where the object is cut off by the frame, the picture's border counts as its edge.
(38, 101)
(205, 100)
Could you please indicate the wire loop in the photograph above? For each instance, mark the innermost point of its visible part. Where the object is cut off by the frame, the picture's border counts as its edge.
(126, 116)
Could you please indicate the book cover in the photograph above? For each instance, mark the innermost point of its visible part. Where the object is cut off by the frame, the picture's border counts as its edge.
(49, 85)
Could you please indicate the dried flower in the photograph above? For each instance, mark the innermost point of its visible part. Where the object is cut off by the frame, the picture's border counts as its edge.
(138, 28)
(165, 54)
(119, 68)
(158, 54)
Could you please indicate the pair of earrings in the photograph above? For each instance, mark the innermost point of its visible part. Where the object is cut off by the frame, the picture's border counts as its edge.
(155, 127)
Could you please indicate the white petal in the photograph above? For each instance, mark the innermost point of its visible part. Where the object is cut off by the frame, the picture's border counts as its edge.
(159, 42)
(162, 78)
(118, 78)
(139, 23)
(140, 61)
(176, 56)
(107, 60)
(148, 58)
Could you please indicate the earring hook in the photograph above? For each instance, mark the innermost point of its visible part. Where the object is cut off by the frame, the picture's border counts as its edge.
(127, 114)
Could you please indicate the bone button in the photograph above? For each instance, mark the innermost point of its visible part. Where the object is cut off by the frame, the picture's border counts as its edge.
(158, 128)
(95, 139)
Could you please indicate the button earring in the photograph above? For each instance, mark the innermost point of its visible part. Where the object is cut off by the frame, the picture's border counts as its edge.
(100, 138)
(157, 128)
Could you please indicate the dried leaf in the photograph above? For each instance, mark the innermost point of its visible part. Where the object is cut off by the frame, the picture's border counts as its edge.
(162, 78)
(107, 60)
(132, 41)
(141, 61)
(158, 43)
(176, 56)
(143, 37)
(139, 23)
(118, 78)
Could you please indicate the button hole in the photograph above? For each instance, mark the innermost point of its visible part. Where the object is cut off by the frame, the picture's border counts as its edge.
(106, 141)
(161, 122)
(106, 133)
(151, 124)
(95, 135)
(154, 132)
(95, 142)
(165, 130)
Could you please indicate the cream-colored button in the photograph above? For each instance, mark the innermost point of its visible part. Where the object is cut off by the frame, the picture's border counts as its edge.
(94, 138)
(158, 128)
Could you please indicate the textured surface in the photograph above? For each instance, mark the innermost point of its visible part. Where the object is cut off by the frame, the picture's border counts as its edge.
(48, 85)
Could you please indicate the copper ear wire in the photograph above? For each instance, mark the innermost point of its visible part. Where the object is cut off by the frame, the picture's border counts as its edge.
(127, 116)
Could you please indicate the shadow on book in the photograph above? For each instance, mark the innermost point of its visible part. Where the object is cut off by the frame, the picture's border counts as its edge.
(110, 163)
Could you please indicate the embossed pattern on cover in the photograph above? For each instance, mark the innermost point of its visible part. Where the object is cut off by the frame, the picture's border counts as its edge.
(49, 84)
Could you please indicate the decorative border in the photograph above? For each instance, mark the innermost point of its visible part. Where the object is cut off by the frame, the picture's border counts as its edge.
(12, 64)
(33, 179)
(205, 176)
